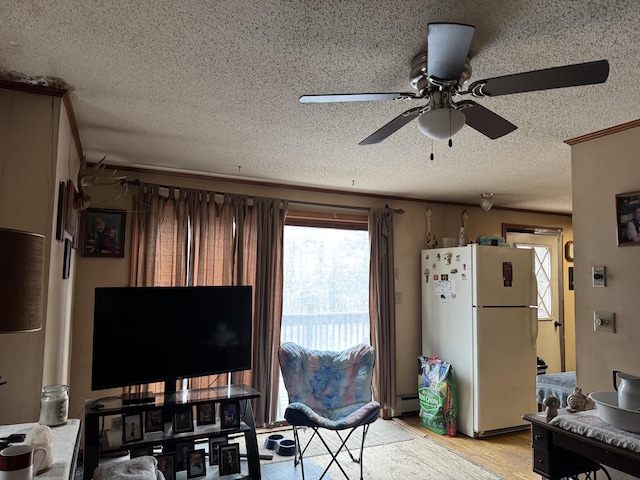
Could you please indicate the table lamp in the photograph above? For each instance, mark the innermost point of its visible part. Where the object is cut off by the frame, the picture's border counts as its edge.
(22, 281)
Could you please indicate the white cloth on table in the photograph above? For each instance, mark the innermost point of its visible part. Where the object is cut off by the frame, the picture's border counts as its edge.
(589, 424)
(139, 468)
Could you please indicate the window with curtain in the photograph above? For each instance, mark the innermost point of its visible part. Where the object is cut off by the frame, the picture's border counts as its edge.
(326, 288)
(189, 237)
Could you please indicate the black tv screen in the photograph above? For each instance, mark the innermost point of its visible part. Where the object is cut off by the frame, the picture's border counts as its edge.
(153, 334)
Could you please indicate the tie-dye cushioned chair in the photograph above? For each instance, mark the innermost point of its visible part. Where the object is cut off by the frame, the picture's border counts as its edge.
(329, 390)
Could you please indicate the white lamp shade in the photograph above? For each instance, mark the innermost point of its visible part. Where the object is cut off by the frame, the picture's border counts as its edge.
(441, 123)
(22, 281)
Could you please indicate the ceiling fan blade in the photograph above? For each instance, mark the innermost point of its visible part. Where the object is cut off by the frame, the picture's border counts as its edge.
(558, 77)
(447, 49)
(355, 97)
(392, 127)
(484, 120)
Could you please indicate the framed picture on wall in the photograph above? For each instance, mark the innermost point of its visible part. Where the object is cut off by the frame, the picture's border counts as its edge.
(628, 218)
(102, 233)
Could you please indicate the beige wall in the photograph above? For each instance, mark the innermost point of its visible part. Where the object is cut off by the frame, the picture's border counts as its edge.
(409, 228)
(35, 154)
(602, 168)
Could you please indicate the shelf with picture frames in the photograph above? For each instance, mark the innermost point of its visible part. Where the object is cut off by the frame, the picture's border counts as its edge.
(180, 430)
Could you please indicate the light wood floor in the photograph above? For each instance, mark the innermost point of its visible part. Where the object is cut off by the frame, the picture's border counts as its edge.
(508, 454)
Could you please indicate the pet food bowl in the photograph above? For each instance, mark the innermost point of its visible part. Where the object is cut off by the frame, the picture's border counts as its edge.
(286, 447)
(272, 441)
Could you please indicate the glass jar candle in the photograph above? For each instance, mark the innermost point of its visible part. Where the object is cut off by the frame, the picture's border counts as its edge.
(54, 405)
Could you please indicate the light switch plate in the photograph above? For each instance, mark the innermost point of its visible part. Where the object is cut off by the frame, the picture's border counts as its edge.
(599, 276)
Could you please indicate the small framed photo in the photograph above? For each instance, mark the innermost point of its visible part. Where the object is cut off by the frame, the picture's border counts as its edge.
(214, 449)
(165, 466)
(181, 455)
(182, 419)
(132, 428)
(206, 413)
(153, 421)
(229, 461)
(196, 464)
(628, 218)
(102, 233)
(229, 415)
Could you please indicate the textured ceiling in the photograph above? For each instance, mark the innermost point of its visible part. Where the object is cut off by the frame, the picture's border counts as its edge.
(208, 86)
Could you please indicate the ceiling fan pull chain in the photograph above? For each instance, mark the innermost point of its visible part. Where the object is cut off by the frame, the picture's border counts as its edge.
(431, 149)
(450, 141)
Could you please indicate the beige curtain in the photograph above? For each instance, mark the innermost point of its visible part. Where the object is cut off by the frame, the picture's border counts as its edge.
(233, 241)
(262, 238)
(382, 307)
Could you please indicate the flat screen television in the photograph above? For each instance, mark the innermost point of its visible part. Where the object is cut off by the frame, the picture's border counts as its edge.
(154, 334)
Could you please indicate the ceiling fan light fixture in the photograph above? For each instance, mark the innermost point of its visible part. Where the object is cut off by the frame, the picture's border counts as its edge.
(486, 201)
(441, 123)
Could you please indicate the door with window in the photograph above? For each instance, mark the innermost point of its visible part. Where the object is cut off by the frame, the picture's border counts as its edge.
(546, 246)
(325, 288)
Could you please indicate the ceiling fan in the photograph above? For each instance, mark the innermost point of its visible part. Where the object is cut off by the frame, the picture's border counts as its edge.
(438, 76)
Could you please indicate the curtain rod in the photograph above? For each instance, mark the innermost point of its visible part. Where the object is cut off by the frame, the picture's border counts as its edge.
(399, 211)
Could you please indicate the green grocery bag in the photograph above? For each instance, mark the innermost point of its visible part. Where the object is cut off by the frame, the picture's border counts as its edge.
(437, 395)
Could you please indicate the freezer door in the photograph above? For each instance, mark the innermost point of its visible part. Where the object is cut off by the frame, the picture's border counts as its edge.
(505, 367)
(504, 276)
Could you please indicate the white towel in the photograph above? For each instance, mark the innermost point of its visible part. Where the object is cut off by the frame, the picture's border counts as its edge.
(139, 468)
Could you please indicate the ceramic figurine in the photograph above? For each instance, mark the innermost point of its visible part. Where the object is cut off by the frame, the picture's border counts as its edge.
(576, 402)
(462, 239)
(429, 239)
(552, 404)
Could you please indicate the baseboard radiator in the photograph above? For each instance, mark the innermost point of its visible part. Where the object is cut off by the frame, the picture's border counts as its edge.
(406, 405)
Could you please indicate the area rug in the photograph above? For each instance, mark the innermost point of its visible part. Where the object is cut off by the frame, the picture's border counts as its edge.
(391, 452)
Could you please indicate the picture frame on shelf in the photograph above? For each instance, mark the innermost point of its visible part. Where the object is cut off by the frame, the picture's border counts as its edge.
(229, 415)
(132, 427)
(182, 419)
(197, 467)
(628, 218)
(103, 233)
(153, 420)
(229, 459)
(206, 413)
(181, 454)
(214, 449)
(165, 466)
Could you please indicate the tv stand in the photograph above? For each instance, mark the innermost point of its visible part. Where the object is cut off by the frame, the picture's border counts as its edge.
(95, 444)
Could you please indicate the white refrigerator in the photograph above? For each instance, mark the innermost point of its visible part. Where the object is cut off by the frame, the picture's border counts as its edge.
(479, 313)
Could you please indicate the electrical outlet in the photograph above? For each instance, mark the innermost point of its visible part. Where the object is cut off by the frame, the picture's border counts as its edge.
(599, 276)
(398, 297)
(604, 322)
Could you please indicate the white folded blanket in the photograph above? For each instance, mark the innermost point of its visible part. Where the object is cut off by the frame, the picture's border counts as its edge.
(139, 468)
